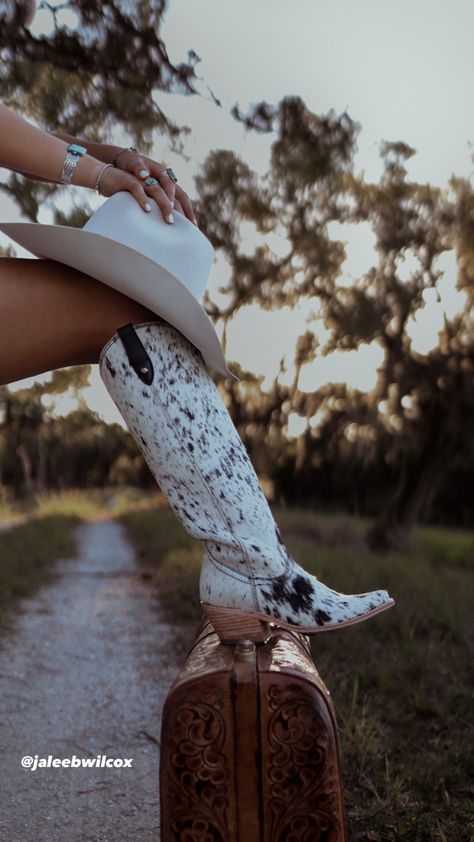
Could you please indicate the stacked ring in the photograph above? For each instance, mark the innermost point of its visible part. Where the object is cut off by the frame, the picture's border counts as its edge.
(168, 171)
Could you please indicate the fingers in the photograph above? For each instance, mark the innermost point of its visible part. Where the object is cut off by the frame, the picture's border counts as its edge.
(162, 200)
(176, 194)
(185, 203)
(143, 192)
(169, 188)
(116, 179)
(172, 191)
(166, 194)
(133, 163)
(140, 169)
(139, 194)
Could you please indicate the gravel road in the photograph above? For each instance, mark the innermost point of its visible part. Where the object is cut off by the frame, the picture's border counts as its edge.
(84, 671)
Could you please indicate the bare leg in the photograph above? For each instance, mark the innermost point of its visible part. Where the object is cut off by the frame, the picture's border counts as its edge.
(54, 316)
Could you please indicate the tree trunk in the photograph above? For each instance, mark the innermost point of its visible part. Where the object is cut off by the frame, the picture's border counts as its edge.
(41, 476)
(416, 489)
(26, 467)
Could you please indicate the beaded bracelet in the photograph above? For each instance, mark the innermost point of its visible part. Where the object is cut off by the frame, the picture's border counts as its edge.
(99, 177)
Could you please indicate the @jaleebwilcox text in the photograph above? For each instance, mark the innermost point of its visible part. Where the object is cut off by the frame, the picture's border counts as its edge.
(100, 762)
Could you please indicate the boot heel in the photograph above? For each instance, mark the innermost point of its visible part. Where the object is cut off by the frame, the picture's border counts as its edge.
(232, 625)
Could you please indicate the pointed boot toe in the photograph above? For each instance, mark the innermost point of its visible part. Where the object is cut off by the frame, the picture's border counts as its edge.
(240, 606)
(161, 386)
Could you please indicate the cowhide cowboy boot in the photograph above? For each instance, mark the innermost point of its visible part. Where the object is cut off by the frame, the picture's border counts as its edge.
(158, 380)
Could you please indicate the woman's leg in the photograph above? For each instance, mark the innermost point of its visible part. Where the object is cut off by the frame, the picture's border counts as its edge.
(53, 316)
(164, 392)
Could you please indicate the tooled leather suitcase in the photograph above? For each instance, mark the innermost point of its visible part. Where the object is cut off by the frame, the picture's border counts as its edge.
(249, 745)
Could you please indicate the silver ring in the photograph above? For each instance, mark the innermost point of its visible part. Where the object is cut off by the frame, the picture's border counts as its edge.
(150, 181)
(168, 171)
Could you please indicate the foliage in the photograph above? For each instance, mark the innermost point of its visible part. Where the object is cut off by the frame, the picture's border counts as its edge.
(97, 74)
(78, 73)
(401, 683)
(171, 562)
(416, 424)
(39, 451)
(28, 552)
(397, 452)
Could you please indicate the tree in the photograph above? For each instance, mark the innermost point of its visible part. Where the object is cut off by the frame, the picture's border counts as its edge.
(428, 409)
(416, 424)
(39, 451)
(25, 429)
(94, 77)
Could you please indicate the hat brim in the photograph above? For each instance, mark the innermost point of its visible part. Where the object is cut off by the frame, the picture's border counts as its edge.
(129, 272)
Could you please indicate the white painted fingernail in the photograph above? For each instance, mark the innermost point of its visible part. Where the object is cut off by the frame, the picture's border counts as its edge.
(170, 218)
(143, 173)
(147, 207)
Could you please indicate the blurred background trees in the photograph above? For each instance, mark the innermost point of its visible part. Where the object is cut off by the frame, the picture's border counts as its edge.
(402, 453)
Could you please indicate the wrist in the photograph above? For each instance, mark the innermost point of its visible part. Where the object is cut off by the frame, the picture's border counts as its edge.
(87, 171)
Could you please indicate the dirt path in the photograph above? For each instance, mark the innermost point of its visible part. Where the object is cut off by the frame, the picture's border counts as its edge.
(85, 671)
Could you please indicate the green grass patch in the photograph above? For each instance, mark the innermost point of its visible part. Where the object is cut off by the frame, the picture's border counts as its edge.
(401, 683)
(27, 555)
(170, 557)
(88, 504)
(448, 546)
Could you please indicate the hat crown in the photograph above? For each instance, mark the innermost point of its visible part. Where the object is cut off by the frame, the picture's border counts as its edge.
(161, 265)
(180, 248)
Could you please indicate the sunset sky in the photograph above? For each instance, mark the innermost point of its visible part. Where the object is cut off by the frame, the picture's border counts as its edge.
(403, 70)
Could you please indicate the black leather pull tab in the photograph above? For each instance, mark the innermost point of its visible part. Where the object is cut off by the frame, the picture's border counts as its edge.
(136, 353)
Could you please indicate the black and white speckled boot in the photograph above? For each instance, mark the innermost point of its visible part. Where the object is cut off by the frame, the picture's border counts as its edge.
(161, 386)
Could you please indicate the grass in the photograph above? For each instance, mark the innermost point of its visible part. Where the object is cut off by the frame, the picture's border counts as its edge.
(171, 558)
(41, 530)
(28, 552)
(401, 683)
(88, 504)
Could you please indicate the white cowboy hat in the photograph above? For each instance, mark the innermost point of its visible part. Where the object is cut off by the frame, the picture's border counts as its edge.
(163, 266)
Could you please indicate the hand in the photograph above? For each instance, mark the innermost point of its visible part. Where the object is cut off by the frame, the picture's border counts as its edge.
(167, 194)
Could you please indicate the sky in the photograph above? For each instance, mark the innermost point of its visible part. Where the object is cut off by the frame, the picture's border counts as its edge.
(403, 70)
